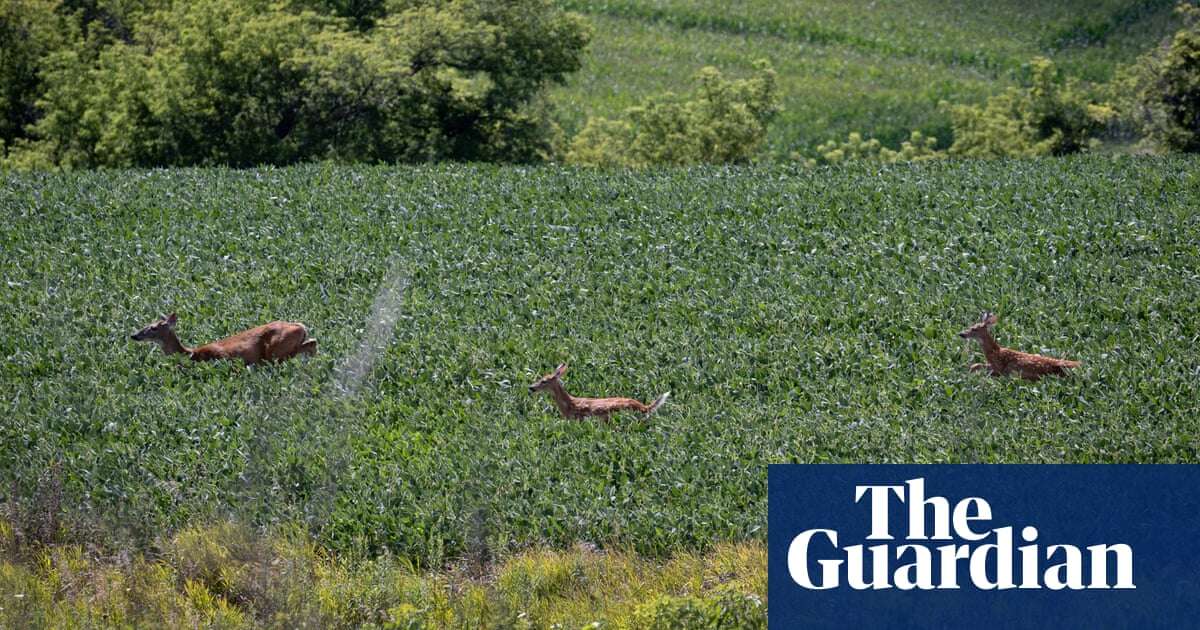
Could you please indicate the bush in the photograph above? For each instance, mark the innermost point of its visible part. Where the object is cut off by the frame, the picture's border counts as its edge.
(244, 83)
(918, 147)
(725, 610)
(724, 122)
(1160, 92)
(1051, 116)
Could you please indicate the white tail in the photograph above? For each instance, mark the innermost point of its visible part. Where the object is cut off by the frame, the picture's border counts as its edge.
(658, 402)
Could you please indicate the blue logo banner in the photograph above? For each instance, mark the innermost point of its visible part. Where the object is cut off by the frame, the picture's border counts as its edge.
(983, 546)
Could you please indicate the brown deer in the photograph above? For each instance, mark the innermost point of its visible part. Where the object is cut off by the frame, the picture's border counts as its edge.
(276, 341)
(579, 408)
(1001, 361)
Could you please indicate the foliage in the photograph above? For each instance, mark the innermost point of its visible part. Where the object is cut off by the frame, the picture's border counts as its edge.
(1160, 92)
(918, 147)
(29, 31)
(244, 83)
(283, 581)
(730, 610)
(795, 315)
(856, 65)
(1051, 116)
(877, 76)
(362, 14)
(105, 21)
(725, 121)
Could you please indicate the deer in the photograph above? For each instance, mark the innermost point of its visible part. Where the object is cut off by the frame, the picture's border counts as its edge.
(275, 341)
(580, 408)
(1001, 360)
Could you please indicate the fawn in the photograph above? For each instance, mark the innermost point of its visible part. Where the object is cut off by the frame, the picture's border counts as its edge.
(274, 341)
(579, 408)
(1002, 360)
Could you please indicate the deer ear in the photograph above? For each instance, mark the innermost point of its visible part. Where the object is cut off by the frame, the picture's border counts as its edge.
(171, 319)
(561, 369)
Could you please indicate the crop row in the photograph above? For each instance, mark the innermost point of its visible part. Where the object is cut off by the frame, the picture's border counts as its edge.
(796, 316)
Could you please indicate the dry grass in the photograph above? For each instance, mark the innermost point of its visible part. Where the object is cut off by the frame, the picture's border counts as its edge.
(228, 576)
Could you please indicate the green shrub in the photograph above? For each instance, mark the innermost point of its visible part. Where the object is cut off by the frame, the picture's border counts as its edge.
(1051, 116)
(724, 610)
(243, 83)
(724, 122)
(855, 148)
(1160, 92)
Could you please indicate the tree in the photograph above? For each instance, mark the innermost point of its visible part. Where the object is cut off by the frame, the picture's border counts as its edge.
(29, 31)
(252, 82)
(1160, 92)
(1051, 116)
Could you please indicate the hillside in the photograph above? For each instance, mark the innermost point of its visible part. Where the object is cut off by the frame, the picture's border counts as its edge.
(802, 316)
(875, 67)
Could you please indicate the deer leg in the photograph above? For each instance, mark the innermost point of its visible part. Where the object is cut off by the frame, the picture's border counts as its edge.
(975, 367)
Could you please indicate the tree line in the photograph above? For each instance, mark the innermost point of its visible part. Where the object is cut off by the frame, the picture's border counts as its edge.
(88, 83)
(128, 83)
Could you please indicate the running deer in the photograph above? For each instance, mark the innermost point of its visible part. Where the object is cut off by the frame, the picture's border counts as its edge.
(1001, 361)
(276, 341)
(579, 408)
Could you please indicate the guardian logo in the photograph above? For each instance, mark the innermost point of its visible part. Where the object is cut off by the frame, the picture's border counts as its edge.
(924, 566)
(1063, 546)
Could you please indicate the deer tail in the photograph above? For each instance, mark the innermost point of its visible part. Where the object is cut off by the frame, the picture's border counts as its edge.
(657, 403)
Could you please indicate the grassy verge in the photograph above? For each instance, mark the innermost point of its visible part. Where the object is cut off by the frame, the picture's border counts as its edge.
(225, 576)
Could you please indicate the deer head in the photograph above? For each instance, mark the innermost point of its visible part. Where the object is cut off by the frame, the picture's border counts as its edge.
(158, 332)
(977, 331)
(545, 381)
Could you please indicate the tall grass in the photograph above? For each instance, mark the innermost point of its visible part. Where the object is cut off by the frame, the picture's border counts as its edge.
(226, 576)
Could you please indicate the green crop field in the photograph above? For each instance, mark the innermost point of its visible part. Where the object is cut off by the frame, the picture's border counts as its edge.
(861, 65)
(795, 315)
